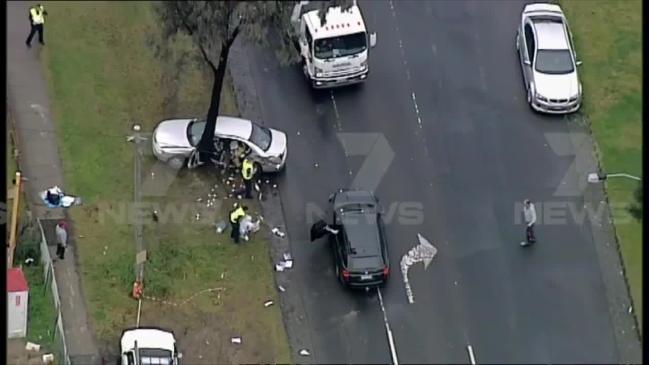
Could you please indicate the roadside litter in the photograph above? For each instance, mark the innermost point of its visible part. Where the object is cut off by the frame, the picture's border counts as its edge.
(48, 359)
(221, 226)
(268, 303)
(277, 232)
(305, 352)
(236, 340)
(32, 346)
(281, 288)
(287, 263)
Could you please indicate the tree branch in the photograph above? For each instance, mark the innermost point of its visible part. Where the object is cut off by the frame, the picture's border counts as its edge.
(206, 57)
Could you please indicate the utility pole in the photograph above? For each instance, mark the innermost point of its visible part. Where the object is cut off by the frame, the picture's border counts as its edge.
(140, 252)
(14, 220)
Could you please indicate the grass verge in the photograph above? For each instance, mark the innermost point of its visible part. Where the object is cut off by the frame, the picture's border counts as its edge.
(608, 37)
(102, 79)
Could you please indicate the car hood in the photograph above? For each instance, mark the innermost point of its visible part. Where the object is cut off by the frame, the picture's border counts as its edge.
(172, 133)
(277, 143)
(556, 86)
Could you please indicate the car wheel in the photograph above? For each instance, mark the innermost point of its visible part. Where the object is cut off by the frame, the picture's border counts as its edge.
(176, 163)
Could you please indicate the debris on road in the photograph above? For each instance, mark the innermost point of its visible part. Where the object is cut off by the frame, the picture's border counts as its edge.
(279, 267)
(281, 288)
(305, 352)
(199, 200)
(236, 340)
(287, 257)
(277, 232)
(268, 303)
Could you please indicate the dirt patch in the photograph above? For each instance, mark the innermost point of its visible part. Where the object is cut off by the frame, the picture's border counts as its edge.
(204, 338)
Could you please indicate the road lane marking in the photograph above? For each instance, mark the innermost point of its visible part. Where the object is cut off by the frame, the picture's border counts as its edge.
(339, 126)
(393, 350)
(471, 356)
(423, 252)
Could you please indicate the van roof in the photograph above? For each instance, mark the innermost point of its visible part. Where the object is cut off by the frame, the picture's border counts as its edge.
(337, 22)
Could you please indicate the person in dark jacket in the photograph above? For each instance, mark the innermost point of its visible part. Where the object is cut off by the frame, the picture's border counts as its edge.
(61, 239)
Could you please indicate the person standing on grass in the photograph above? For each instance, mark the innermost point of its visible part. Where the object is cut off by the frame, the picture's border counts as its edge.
(61, 239)
(236, 215)
(530, 219)
(37, 15)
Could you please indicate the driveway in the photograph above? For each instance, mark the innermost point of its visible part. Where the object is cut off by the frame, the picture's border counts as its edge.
(445, 91)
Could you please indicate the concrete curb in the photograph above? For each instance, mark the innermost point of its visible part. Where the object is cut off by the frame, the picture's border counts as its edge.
(627, 333)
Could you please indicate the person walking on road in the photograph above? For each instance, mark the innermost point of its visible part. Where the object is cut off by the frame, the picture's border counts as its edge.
(61, 239)
(530, 219)
(236, 215)
(37, 15)
(248, 170)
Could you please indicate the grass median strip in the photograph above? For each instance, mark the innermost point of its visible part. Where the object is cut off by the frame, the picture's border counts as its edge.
(608, 37)
(103, 77)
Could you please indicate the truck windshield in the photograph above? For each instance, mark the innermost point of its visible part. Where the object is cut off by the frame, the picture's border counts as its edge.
(344, 45)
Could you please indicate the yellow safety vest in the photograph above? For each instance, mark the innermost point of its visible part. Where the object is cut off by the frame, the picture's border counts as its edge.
(247, 169)
(37, 14)
(236, 214)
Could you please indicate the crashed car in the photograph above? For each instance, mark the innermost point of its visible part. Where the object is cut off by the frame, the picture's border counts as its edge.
(174, 142)
(357, 238)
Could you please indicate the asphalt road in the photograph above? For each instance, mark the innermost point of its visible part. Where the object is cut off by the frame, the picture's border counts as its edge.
(467, 152)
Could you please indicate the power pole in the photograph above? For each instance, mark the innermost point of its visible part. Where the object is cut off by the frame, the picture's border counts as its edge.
(140, 251)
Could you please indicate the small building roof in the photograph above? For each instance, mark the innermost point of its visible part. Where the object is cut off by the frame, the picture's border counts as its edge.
(16, 281)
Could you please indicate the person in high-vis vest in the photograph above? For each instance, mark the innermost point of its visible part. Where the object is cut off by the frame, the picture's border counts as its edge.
(236, 215)
(37, 15)
(248, 170)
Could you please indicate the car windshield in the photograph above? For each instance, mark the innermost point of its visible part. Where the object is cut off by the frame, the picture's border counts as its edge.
(261, 137)
(341, 46)
(554, 62)
(195, 131)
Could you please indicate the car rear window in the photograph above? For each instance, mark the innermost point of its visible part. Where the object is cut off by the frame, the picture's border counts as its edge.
(365, 263)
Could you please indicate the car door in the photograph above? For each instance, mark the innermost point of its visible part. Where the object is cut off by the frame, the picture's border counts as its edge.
(529, 52)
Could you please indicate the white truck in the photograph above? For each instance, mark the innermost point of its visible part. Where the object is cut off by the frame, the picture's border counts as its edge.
(334, 53)
(148, 346)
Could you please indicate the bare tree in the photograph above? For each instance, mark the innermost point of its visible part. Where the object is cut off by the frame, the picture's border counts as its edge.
(215, 25)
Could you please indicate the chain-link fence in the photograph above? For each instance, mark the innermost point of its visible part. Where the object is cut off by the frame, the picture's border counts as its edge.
(60, 347)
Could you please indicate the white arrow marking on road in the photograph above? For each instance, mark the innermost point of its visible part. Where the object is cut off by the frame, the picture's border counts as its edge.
(425, 252)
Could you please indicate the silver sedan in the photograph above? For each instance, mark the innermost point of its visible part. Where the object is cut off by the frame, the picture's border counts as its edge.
(548, 60)
(175, 140)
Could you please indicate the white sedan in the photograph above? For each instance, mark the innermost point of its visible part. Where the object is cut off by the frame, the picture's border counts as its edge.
(548, 60)
(175, 140)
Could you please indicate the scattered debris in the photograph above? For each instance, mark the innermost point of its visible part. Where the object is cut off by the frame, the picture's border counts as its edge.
(630, 309)
(287, 257)
(315, 164)
(279, 267)
(199, 200)
(207, 342)
(29, 261)
(267, 181)
(276, 231)
(222, 275)
(281, 288)
(305, 352)
(32, 346)
(48, 359)
(288, 264)
(252, 258)
(257, 187)
(268, 303)
(274, 186)
(221, 226)
(298, 133)
(198, 216)
(235, 340)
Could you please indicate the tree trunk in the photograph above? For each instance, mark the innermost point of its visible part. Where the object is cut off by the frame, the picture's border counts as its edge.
(206, 144)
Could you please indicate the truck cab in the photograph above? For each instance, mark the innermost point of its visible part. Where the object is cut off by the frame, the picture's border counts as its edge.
(148, 346)
(334, 53)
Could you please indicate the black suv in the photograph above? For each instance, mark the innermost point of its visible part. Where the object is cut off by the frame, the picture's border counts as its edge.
(357, 239)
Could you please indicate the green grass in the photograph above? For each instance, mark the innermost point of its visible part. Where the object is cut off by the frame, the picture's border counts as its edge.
(608, 37)
(40, 323)
(103, 76)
